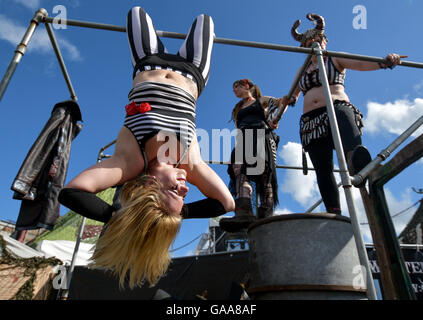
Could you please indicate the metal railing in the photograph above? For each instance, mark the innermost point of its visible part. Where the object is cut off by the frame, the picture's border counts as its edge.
(41, 16)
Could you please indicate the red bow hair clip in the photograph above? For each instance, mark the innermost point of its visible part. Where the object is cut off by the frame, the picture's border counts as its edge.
(245, 81)
(134, 108)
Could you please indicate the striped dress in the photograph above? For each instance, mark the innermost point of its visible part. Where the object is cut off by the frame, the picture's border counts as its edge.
(172, 111)
(172, 108)
(149, 53)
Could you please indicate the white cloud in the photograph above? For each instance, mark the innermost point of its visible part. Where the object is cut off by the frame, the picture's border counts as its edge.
(72, 51)
(303, 188)
(418, 87)
(30, 4)
(393, 117)
(396, 204)
(280, 211)
(13, 32)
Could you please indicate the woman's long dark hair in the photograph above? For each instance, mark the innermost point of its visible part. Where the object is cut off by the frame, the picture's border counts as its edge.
(255, 92)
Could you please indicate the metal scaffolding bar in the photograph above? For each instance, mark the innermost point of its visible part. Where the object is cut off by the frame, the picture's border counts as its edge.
(41, 16)
(294, 86)
(347, 181)
(61, 61)
(101, 154)
(81, 230)
(278, 166)
(345, 177)
(20, 50)
(65, 292)
(385, 153)
(242, 43)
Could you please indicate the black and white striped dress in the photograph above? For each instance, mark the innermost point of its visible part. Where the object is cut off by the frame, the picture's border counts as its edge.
(172, 111)
(149, 53)
(172, 108)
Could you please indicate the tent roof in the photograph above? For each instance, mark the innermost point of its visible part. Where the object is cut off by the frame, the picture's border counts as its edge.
(20, 249)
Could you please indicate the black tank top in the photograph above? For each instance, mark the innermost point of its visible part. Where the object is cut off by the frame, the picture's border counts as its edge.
(251, 117)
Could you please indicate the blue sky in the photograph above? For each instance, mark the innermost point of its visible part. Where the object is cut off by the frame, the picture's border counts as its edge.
(100, 69)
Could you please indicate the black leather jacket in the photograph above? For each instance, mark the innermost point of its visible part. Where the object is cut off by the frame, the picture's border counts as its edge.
(43, 172)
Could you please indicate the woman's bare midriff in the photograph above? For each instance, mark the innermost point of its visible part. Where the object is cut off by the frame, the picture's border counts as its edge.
(167, 76)
(315, 97)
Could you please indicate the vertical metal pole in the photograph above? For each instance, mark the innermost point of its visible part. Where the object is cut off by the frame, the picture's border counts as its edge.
(61, 61)
(345, 177)
(294, 85)
(214, 240)
(21, 49)
(78, 239)
(75, 253)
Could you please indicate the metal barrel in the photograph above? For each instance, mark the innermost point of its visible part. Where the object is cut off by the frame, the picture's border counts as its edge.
(304, 257)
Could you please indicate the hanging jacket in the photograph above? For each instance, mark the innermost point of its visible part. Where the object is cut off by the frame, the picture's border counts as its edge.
(43, 172)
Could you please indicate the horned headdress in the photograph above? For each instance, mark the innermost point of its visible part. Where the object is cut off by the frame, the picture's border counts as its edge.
(311, 33)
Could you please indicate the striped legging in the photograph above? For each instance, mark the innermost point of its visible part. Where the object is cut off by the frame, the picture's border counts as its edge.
(196, 49)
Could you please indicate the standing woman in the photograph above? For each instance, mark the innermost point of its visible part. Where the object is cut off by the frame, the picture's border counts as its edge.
(315, 132)
(156, 153)
(255, 151)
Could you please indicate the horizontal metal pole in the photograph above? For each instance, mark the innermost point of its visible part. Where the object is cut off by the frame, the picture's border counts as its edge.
(101, 155)
(385, 153)
(85, 24)
(277, 166)
(252, 44)
(370, 58)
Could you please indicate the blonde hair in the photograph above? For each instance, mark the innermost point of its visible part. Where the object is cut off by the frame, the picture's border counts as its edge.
(138, 237)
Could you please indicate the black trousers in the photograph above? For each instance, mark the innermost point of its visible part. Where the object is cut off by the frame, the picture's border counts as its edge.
(321, 154)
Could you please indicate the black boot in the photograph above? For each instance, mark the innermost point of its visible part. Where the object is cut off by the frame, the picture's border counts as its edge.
(359, 158)
(334, 210)
(243, 216)
(264, 212)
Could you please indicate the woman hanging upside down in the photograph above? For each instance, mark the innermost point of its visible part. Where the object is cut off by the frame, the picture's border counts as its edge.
(156, 153)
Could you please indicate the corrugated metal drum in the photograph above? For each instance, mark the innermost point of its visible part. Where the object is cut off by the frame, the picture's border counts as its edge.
(304, 256)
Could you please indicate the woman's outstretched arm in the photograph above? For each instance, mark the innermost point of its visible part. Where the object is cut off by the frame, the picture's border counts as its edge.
(206, 179)
(392, 59)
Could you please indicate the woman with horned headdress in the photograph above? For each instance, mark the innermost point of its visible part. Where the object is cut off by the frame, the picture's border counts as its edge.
(315, 132)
